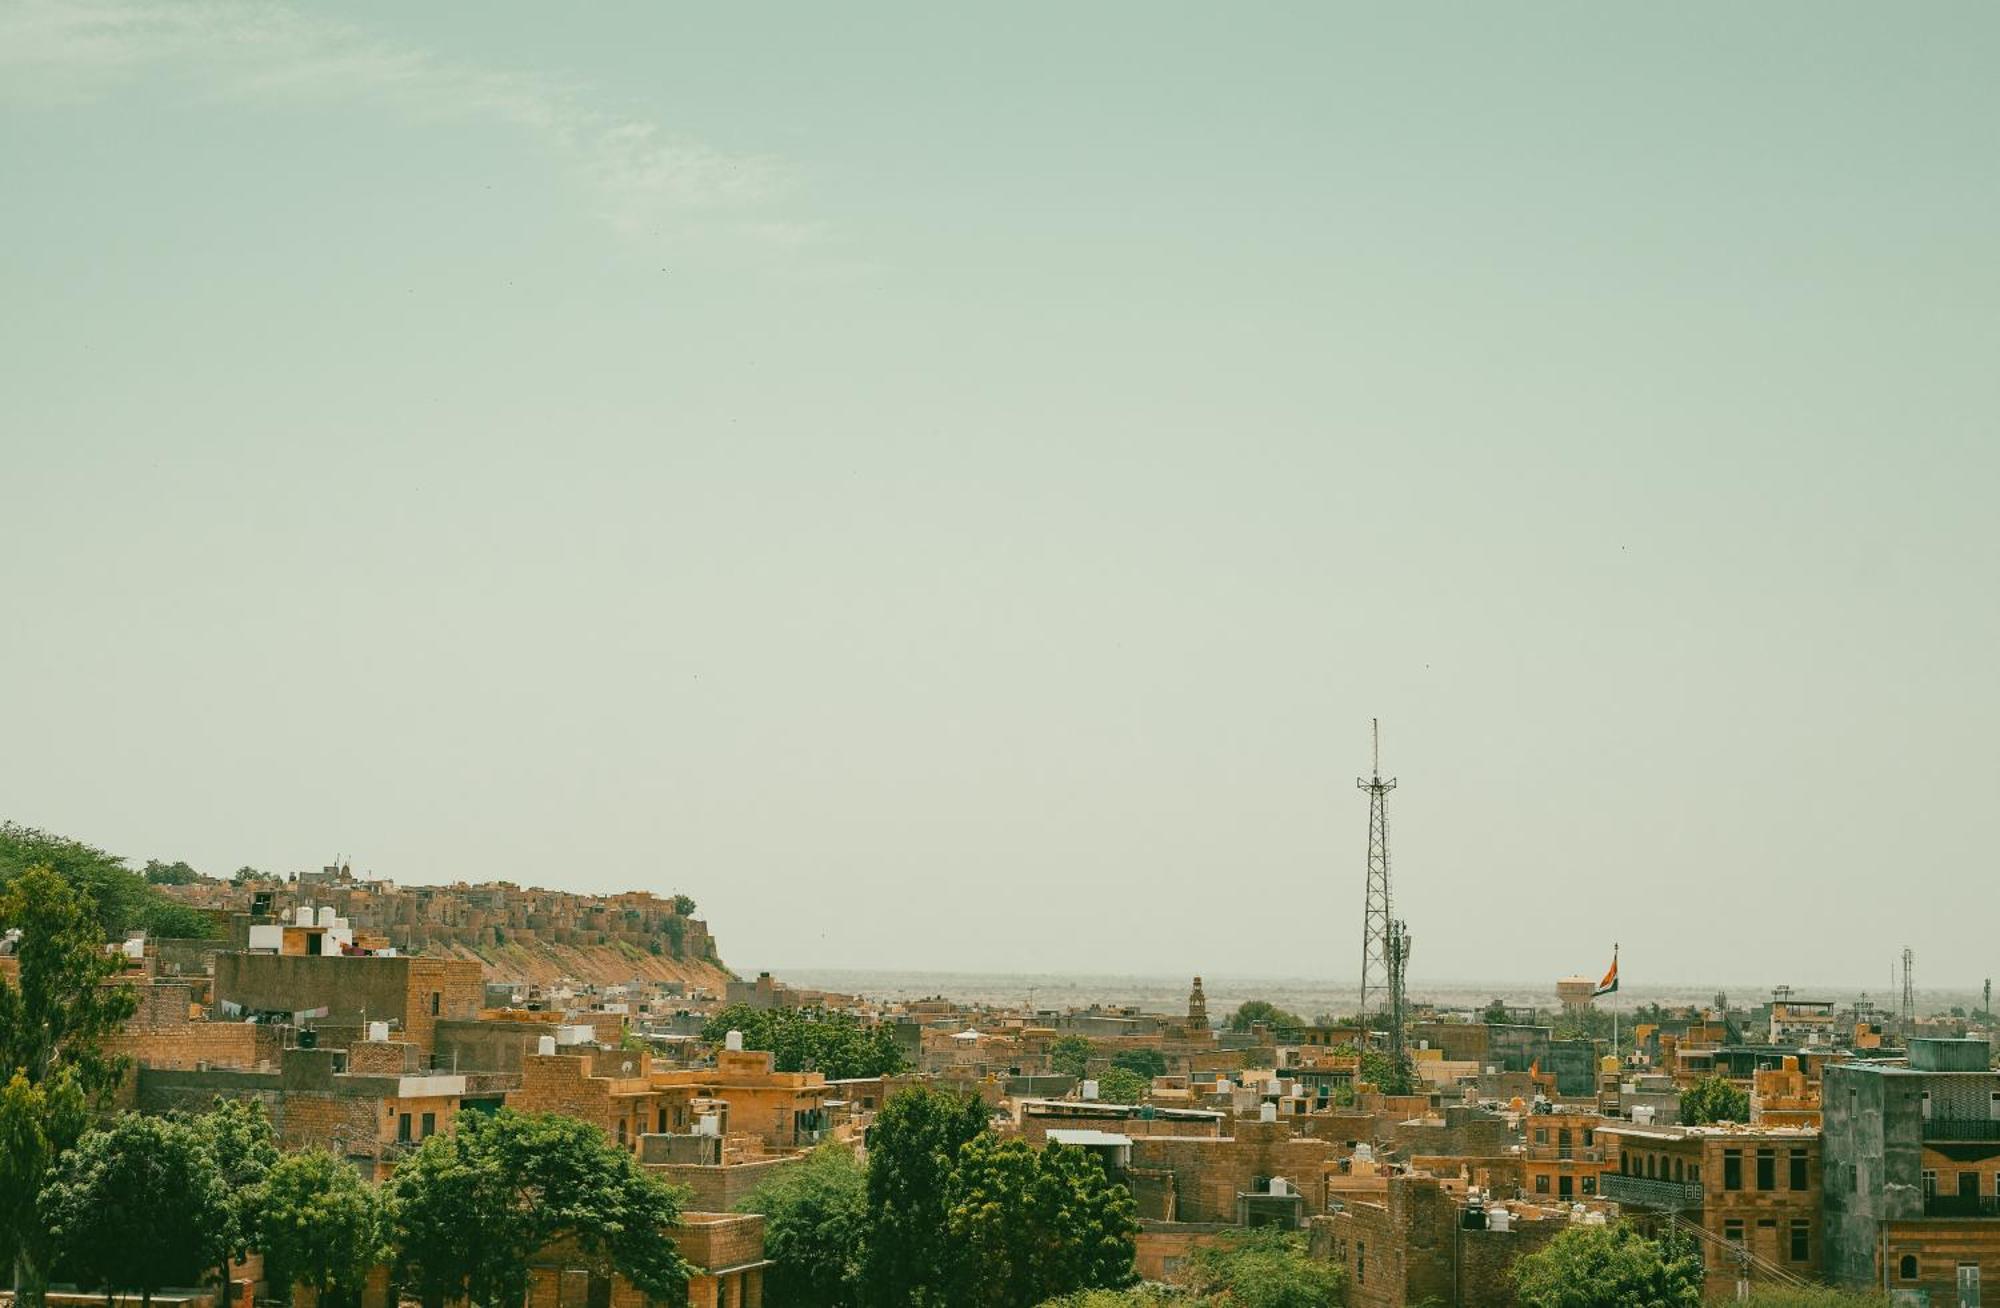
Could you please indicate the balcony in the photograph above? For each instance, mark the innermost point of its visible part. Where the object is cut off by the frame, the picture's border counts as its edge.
(1961, 1205)
(1645, 1192)
(1543, 1153)
(1970, 1128)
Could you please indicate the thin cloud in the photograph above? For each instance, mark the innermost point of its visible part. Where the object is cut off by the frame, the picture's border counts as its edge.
(646, 181)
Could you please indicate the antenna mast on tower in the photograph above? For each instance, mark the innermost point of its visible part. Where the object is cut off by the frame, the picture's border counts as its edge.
(1909, 990)
(1378, 965)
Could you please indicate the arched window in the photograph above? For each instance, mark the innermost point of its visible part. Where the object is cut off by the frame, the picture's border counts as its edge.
(1907, 1269)
(1677, 1169)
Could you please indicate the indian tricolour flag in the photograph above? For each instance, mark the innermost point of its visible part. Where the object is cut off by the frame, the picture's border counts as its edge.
(1609, 985)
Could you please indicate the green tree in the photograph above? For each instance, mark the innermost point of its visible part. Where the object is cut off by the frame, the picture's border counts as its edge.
(469, 1209)
(1495, 1014)
(1028, 1224)
(1714, 1099)
(1814, 1296)
(120, 898)
(169, 874)
(1262, 1268)
(1253, 1011)
(1122, 1086)
(912, 1149)
(246, 874)
(1137, 1296)
(53, 1019)
(1069, 1055)
(1609, 1267)
(138, 1206)
(815, 1225)
(322, 1227)
(835, 1044)
(1148, 1063)
(683, 906)
(240, 1141)
(37, 1122)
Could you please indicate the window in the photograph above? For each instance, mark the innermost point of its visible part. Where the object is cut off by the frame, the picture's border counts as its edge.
(1694, 1173)
(1677, 1169)
(1732, 1230)
(1589, 1184)
(621, 1131)
(1732, 1169)
(1907, 1268)
(1797, 1179)
(1930, 1185)
(1541, 1135)
(1360, 1263)
(1801, 1241)
(1767, 1169)
(403, 1128)
(430, 1125)
(1565, 1187)
(1562, 1138)
(435, 996)
(1542, 1183)
(1590, 1136)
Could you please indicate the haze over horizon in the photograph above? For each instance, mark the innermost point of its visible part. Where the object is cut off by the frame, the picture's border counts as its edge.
(951, 494)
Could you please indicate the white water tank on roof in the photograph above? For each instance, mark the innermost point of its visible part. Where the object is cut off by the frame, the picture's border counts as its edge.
(1267, 1112)
(546, 1045)
(733, 1042)
(1088, 1090)
(1498, 1219)
(378, 1031)
(303, 915)
(327, 916)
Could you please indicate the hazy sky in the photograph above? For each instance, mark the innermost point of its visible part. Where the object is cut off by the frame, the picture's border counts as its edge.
(948, 487)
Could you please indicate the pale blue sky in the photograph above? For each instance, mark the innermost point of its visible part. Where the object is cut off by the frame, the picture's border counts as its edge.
(950, 488)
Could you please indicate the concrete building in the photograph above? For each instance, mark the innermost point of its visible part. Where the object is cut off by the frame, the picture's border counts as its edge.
(1912, 1194)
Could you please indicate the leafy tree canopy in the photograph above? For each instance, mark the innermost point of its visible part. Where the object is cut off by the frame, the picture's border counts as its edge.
(139, 1206)
(1069, 1055)
(807, 1039)
(323, 1226)
(1121, 1085)
(1609, 1267)
(121, 898)
(1714, 1099)
(1263, 1268)
(815, 1226)
(1148, 1063)
(469, 1209)
(169, 874)
(1253, 1011)
(240, 1141)
(1027, 1224)
(913, 1148)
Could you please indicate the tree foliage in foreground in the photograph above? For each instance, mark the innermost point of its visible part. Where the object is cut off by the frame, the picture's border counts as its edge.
(138, 1207)
(53, 1069)
(835, 1044)
(1028, 1224)
(1263, 1268)
(239, 1138)
(815, 1225)
(469, 1209)
(1609, 1267)
(323, 1227)
(912, 1148)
